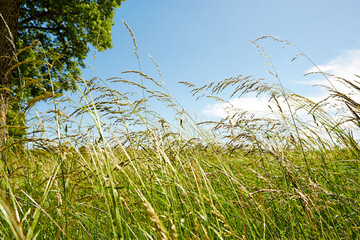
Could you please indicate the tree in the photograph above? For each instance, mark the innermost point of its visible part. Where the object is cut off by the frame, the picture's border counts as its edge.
(59, 33)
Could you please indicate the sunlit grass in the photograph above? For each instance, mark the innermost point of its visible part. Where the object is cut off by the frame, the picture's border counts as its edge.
(106, 166)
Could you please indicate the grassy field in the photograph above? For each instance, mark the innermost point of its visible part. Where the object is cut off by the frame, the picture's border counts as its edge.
(102, 164)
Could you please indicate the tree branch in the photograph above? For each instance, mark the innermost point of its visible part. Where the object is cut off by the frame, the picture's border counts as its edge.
(36, 16)
(43, 28)
(47, 13)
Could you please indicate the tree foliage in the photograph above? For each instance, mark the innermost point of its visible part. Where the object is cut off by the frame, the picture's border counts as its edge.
(60, 33)
(52, 39)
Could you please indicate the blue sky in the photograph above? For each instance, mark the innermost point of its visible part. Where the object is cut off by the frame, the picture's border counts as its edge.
(202, 41)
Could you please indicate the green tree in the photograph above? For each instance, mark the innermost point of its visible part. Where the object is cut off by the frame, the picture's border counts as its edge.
(58, 33)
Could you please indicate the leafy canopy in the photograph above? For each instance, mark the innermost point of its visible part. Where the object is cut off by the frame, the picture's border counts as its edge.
(53, 39)
(60, 33)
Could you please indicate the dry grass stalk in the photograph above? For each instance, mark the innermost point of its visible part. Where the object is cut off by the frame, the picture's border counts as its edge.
(154, 218)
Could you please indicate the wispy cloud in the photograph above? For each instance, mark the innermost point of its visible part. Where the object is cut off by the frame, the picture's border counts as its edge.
(345, 66)
(250, 104)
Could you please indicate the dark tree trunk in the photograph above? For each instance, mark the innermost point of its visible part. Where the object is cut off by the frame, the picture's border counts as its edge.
(9, 15)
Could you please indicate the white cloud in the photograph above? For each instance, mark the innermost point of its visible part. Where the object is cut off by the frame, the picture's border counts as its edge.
(260, 106)
(345, 66)
(250, 104)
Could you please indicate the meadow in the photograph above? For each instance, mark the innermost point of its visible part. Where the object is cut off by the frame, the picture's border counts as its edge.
(102, 164)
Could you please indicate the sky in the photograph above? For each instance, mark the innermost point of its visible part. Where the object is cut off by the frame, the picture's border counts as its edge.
(200, 41)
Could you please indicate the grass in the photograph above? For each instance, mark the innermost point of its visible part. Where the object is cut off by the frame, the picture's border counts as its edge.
(106, 166)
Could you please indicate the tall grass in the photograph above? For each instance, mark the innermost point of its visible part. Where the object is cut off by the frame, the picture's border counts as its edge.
(102, 165)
